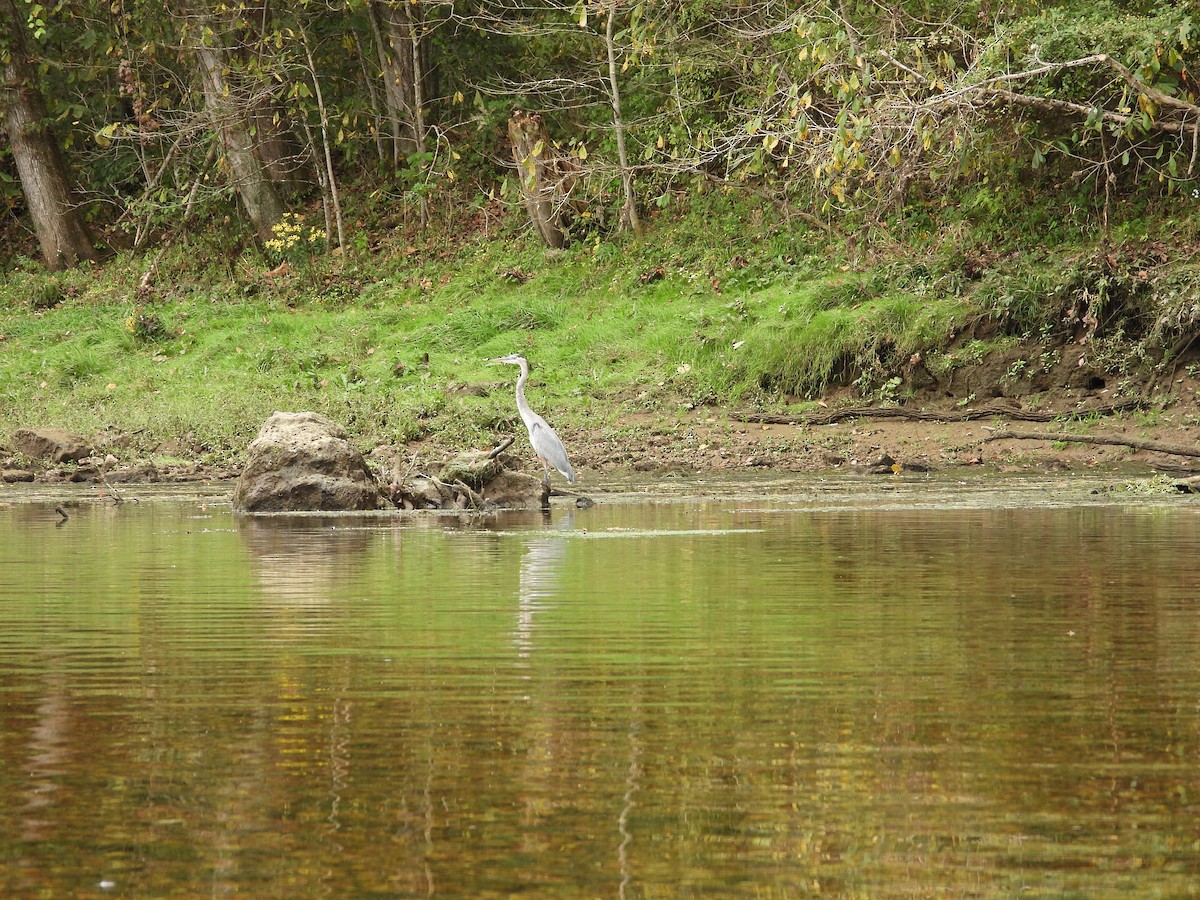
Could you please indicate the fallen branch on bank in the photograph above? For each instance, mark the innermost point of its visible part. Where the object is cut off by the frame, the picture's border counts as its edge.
(1103, 440)
(987, 411)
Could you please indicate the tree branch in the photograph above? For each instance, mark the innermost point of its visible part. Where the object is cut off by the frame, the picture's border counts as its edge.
(988, 88)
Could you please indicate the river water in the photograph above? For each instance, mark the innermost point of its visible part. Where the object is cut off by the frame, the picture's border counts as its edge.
(753, 689)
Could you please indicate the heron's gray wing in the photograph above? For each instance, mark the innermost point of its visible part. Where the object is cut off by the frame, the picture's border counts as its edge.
(548, 446)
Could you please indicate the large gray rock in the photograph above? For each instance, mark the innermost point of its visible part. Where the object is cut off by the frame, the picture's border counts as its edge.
(302, 461)
(51, 443)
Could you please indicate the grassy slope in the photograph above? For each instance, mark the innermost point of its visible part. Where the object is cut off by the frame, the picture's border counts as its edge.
(721, 306)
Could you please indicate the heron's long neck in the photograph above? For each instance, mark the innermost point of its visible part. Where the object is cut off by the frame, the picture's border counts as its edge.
(522, 404)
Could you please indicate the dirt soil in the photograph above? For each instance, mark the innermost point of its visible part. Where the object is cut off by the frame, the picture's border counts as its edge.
(930, 433)
(720, 441)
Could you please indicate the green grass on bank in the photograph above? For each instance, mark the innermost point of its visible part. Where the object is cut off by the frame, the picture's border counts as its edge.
(722, 306)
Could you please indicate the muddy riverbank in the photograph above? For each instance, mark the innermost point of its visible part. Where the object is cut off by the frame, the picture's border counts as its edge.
(883, 441)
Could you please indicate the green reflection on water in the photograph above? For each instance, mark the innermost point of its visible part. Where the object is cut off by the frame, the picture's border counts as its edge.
(714, 698)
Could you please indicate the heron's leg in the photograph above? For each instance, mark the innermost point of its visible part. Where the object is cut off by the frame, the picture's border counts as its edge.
(545, 471)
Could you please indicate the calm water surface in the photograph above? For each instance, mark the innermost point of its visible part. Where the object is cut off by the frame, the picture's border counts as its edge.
(932, 690)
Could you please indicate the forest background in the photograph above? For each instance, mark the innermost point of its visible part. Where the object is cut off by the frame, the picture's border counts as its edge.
(694, 212)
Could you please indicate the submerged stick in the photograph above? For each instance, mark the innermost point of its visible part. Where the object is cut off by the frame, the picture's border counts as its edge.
(108, 463)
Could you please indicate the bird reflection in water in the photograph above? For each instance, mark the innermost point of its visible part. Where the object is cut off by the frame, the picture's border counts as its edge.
(541, 566)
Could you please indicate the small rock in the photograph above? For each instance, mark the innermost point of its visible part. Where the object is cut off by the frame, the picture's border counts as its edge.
(884, 465)
(54, 444)
(1189, 485)
(516, 490)
(15, 476)
(427, 493)
(138, 473)
(112, 438)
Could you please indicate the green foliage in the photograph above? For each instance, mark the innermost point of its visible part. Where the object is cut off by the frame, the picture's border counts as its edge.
(38, 291)
(1123, 133)
(145, 325)
(856, 118)
(80, 364)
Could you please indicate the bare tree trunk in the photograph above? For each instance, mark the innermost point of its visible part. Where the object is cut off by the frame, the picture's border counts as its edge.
(61, 232)
(275, 143)
(629, 213)
(407, 75)
(393, 102)
(394, 79)
(546, 179)
(415, 42)
(252, 182)
(334, 197)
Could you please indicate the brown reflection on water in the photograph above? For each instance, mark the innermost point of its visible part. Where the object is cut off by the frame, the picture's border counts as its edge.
(46, 758)
(667, 700)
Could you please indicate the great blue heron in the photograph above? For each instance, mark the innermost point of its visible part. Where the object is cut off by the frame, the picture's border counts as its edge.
(546, 444)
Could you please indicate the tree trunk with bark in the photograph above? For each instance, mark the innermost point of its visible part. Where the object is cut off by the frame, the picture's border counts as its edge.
(45, 183)
(629, 211)
(404, 60)
(275, 142)
(261, 200)
(546, 177)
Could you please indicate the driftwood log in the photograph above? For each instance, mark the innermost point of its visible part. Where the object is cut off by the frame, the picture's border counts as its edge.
(474, 480)
(546, 177)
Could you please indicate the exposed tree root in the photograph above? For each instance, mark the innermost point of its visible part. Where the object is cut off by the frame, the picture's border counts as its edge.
(987, 411)
(1113, 440)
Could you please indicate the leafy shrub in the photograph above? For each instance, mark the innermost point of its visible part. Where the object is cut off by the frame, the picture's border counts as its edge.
(145, 326)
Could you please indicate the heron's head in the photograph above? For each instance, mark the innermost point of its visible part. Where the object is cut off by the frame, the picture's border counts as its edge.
(514, 358)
